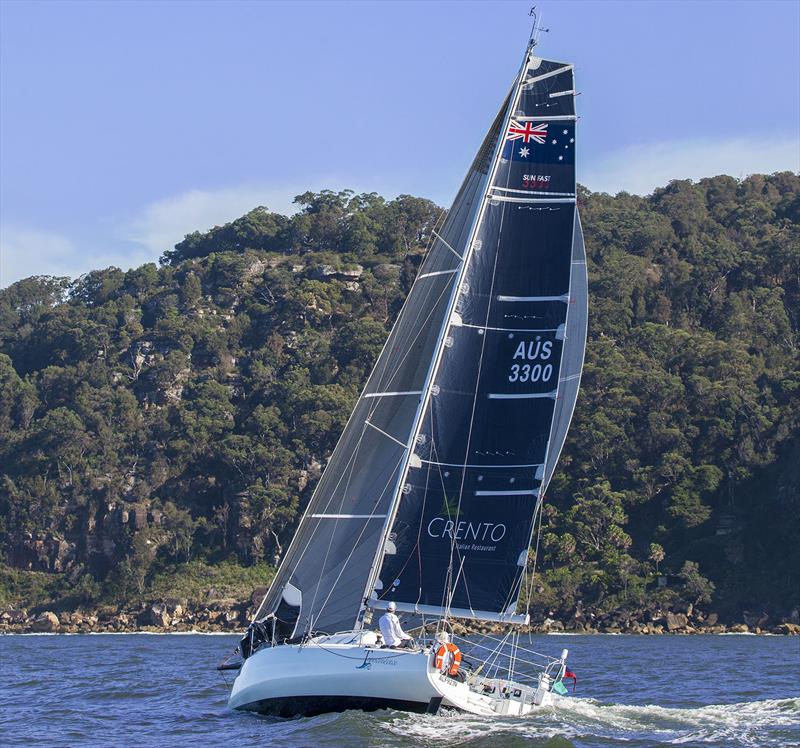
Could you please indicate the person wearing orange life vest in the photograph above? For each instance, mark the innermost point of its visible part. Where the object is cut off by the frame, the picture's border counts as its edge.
(447, 656)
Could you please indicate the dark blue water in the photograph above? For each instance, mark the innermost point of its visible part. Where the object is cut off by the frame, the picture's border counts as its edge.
(156, 690)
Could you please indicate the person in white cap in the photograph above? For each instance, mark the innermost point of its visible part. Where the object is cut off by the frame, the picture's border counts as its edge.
(392, 632)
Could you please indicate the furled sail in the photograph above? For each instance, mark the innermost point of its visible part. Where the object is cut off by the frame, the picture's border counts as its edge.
(323, 579)
(504, 386)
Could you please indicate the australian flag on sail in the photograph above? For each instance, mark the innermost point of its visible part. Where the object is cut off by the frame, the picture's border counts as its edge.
(538, 156)
(540, 142)
(527, 132)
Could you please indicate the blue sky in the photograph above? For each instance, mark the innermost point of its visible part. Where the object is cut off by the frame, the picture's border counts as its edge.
(125, 125)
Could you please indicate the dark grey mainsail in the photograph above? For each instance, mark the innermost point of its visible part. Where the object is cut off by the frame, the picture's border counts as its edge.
(323, 579)
(506, 376)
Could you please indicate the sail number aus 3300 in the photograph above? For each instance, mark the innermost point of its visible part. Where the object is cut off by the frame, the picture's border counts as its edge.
(528, 373)
(531, 351)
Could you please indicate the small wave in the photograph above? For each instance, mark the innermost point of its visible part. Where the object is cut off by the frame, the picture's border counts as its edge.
(742, 724)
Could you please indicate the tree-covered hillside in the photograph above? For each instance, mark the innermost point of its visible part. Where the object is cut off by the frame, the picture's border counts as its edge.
(171, 418)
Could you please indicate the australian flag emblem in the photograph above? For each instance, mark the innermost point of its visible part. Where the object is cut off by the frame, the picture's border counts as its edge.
(540, 142)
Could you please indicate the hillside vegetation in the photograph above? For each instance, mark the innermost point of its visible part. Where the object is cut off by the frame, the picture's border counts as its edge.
(162, 421)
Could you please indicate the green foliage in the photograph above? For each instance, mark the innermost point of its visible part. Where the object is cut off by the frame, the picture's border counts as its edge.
(157, 421)
(226, 579)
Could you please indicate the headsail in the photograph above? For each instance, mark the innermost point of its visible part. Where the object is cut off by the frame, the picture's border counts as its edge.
(323, 578)
(501, 398)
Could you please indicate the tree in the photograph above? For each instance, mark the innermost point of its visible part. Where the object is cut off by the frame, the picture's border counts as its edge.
(187, 410)
(656, 554)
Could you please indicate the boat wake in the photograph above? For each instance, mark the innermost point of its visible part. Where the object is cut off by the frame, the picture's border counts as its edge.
(588, 722)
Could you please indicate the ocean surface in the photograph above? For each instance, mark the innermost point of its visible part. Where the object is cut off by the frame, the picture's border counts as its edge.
(162, 690)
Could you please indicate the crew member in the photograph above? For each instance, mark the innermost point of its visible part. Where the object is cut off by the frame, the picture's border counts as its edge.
(393, 634)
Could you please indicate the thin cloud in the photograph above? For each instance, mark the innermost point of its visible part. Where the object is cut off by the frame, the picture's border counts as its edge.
(640, 169)
(25, 252)
(158, 226)
(162, 224)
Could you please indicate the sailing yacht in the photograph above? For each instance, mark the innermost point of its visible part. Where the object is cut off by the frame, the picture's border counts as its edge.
(434, 491)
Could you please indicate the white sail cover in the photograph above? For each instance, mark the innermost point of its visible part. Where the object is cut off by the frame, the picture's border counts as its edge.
(505, 383)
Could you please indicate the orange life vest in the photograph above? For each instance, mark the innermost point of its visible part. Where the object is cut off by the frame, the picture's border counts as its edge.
(441, 658)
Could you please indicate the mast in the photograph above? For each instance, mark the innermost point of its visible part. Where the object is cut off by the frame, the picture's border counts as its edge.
(512, 100)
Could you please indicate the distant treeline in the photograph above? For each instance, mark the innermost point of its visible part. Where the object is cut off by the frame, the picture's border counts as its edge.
(183, 412)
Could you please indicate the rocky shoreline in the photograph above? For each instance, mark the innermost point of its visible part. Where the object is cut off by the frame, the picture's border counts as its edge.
(228, 616)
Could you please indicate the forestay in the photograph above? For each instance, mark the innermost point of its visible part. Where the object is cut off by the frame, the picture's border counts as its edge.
(504, 386)
(323, 578)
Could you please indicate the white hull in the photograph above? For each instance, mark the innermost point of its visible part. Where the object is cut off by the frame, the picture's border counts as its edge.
(327, 674)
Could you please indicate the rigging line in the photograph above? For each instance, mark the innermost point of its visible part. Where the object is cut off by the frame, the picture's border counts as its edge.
(446, 603)
(548, 658)
(447, 590)
(493, 655)
(419, 532)
(452, 588)
(428, 255)
(520, 580)
(535, 558)
(420, 328)
(416, 549)
(355, 546)
(388, 436)
(434, 453)
(347, 472)
(438, 236)
(496, 663)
